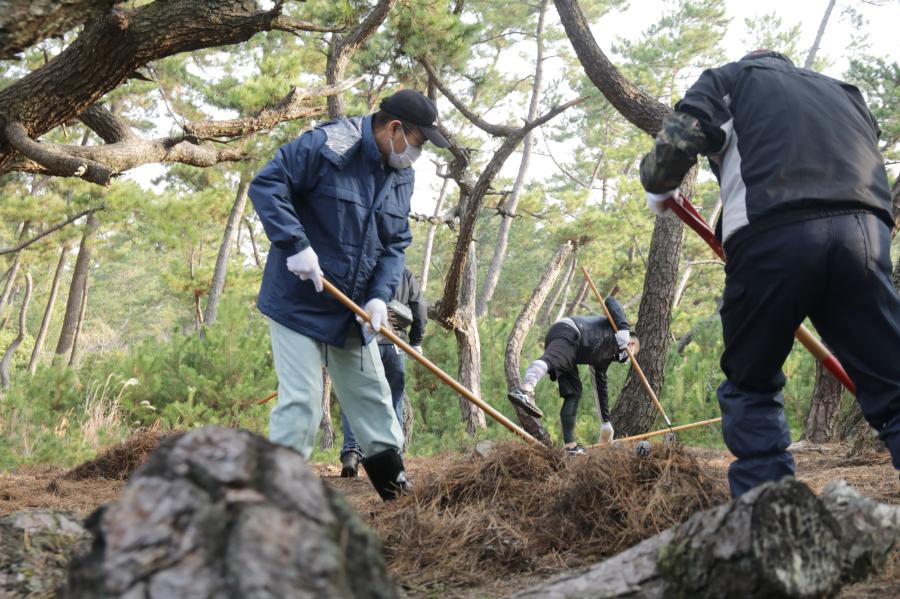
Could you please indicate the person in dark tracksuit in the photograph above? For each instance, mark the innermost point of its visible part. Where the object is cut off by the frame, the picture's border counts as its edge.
(334, 203)
(394, 361)
(806, 228)
(569, 342)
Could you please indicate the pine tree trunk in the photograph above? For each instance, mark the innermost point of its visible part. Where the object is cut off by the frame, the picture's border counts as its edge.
(327, 425)
(48, 311)
(408, 420)
(429, 237)
(76, 346)
(779, 540)
(6, 362)
(469, 345)
(567, 280)
(824, 408)
(579, 298)
(13, 271)
(634, 412)
(76, 290)
(814, 49)
(509, 207)
(221, 269)
(524, 322)
(253, 245)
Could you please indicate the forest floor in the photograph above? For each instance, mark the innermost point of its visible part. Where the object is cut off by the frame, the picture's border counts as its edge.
(872, 474)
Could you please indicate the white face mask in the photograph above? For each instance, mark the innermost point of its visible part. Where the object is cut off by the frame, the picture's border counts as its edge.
(409, 155)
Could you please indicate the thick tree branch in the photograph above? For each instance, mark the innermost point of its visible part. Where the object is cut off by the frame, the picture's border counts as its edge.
(54, 158)
(104, 123)
(24, 23)
(342, 48)
(489, 128)
(112, 48)
(450, 300)
(295, 105)
(42, 234)
(297, 26)
(641, 109)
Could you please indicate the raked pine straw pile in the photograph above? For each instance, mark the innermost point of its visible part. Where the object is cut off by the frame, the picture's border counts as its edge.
(119, 461)
(531, 509)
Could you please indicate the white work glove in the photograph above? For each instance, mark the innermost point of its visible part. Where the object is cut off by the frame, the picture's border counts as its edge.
(418, 349)
(305, 264)
(622, 338)
(657, 201)
(377, 311)
(607, 432)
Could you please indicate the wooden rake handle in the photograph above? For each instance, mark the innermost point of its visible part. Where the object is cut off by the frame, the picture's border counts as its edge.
(434, 369)
(634, 362)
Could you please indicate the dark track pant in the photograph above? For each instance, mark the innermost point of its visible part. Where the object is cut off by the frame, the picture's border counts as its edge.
(835, 270)
(395, 373)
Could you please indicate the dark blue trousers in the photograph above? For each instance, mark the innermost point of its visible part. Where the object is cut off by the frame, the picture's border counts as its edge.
(835, 270)
(395, 373)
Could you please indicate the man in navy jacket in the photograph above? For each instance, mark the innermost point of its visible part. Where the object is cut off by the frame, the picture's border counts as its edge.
(806, 227)
(334, 203)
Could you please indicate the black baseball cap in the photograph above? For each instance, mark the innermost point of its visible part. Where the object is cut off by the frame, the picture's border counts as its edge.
(417, 109)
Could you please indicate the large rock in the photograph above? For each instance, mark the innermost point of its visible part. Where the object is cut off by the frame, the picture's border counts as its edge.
(218, 513)
(35, 547)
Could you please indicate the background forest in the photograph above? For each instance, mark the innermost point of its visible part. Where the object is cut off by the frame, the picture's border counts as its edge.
(139, 311)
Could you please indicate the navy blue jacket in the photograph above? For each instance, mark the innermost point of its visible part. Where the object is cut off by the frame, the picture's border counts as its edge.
(329, 189)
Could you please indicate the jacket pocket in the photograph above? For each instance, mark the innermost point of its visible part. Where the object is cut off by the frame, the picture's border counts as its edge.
(392, 217)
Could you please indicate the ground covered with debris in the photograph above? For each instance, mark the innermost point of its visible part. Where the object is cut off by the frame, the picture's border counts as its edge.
(488, 525)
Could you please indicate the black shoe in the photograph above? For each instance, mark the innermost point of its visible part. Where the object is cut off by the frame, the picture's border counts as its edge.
(350, 465)
(577, 450)
(385, 470)
(525, 400)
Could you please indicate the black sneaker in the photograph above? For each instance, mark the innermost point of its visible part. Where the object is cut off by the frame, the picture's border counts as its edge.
(350, 465)
(577, 450)
(525, 400)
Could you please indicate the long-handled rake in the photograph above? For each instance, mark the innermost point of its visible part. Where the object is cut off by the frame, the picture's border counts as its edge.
(433, 368)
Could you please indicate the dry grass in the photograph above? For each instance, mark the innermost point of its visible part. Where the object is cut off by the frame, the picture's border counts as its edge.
(529, 509)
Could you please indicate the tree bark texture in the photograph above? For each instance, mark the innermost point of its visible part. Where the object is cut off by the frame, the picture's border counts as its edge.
(342, 47)
(79, 328)
(77, 289)
(524, 322)
(429, 237)
(469, 344)
(474, 200)
(217, 286)
(824, 407)
(6, 362)
(326, 441)
(221, 512)
(777, 541)
(25, 23)
(634, 412)
(109, 50)
(512, 202)
(48, 311)
(642, 110)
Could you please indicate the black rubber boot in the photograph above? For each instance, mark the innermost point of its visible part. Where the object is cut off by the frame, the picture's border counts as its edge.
(385, 470)
(350, 465)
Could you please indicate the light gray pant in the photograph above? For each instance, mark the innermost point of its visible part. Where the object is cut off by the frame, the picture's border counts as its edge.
(358, 378)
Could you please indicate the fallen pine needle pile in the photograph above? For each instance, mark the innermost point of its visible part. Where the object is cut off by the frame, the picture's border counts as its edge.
(530, 509)
(119, 461)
